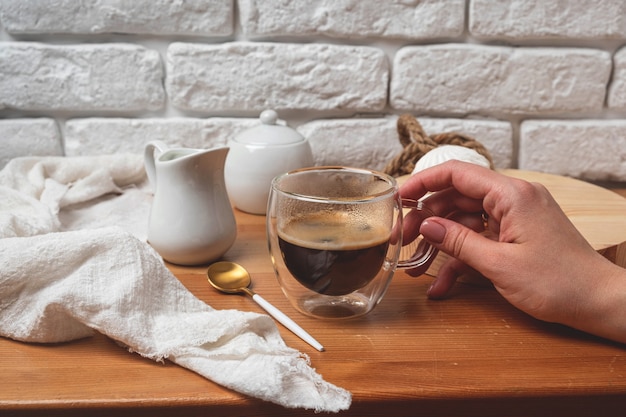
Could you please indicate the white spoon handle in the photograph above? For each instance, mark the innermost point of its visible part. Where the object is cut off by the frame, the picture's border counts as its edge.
(287, 322)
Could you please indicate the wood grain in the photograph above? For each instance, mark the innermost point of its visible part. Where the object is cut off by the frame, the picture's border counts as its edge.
(470, 355)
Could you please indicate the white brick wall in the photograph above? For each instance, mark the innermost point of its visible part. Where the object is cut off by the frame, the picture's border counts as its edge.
(255, 76)
(162, 17)
(26, 136)
(120, 135)
(117, 77)
(353, 18)
(541, 84)
(545, 19)
(594, 149)
(617, 89)
(465, 79)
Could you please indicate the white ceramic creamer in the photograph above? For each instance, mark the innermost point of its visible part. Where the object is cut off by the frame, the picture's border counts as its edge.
(259, 154)
(191, 219)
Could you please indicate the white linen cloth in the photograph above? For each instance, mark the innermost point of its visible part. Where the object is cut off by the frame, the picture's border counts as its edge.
(73, 260)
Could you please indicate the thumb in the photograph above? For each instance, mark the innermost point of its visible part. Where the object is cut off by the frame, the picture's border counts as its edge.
(458, 241)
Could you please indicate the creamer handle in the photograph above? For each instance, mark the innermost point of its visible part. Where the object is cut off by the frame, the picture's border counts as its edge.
(149, 158)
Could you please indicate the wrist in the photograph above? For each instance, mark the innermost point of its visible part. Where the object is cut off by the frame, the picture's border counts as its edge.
(606, 316)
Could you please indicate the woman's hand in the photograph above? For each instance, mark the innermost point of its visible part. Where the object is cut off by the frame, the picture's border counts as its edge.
(531, 252)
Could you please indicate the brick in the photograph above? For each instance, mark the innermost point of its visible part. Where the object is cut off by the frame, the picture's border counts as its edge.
(373, 143)
(463, 78)
(245, 76)
(362, 143)
(353, 19)
(116, 77)
(161, 17)
(95, 136)
(540, 19)
(617, 89)
(29, 137)
(586, 149)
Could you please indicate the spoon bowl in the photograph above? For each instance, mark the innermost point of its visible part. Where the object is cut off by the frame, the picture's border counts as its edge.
(232, 278)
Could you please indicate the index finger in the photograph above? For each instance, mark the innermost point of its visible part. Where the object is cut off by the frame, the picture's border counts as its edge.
(469, 179)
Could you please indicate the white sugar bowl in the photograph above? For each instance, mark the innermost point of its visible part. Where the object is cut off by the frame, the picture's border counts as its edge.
(259, 154)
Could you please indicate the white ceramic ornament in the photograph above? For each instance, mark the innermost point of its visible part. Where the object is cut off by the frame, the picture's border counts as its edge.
(445, 153)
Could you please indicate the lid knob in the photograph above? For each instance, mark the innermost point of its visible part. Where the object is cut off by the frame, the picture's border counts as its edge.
(271, 131)
(268, 117)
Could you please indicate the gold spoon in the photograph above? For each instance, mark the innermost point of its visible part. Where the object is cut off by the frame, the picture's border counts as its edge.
(233, 278)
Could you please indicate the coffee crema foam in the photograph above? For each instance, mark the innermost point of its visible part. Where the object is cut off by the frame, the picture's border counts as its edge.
(333, 231)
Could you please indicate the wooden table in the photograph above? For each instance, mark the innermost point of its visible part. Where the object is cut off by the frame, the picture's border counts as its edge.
(471, 355)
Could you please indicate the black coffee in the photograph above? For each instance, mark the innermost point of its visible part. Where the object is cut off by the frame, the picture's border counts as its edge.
(332, 254)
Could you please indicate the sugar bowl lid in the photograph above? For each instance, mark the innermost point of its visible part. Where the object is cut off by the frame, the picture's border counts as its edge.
(271, 131)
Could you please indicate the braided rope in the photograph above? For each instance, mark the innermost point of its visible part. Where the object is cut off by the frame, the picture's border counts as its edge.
(416, 143)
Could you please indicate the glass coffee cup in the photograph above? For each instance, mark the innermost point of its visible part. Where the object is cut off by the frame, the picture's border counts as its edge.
(335, 238)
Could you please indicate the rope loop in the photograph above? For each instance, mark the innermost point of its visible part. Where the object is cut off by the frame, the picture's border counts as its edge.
(417, 143)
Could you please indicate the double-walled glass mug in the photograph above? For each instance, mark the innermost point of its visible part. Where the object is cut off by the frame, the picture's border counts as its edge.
(335, 238)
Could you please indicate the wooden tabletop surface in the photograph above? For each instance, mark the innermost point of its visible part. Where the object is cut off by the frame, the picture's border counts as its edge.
(470, 355)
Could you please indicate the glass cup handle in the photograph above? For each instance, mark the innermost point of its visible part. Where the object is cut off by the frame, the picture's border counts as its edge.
(418, 252)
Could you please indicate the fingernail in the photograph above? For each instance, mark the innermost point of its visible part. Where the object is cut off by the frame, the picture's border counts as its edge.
(433, 231)
(430, 289)
(429, 292)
